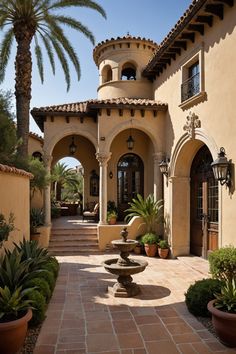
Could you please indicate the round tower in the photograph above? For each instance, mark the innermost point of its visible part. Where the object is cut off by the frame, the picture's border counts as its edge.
(120, 62)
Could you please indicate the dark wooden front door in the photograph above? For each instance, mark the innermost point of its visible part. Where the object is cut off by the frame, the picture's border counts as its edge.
(204, 205)
(129, 181)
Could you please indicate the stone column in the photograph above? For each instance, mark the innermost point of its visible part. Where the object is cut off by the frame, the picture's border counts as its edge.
(47, 191)
(158, 184)
(103, 158)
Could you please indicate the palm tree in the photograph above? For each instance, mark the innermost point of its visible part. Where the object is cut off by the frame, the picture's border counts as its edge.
(40, 21)
(63, 176)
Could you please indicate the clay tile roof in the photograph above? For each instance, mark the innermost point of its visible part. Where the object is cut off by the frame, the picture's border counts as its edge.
(89, 108)
(184, 20)
(14, 170)
(36, 136)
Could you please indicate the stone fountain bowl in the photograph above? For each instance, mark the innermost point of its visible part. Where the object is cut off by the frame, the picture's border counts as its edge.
(135, 266)
(125, 246)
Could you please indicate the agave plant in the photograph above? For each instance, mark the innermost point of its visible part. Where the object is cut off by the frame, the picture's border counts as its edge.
(150, 210)
(6, 227)
(13, 304)
(226, 300)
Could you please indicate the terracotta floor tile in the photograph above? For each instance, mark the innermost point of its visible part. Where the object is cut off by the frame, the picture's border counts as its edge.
(153, 332)
(125, 326)
(95, 327)
(101, 342)
(72, 346)
(97, 315)
(146, 319)
(44, 349)
(214, 345)
(186, 348)
(163, 346)
(186, 338)
(47, 338)
(178, 328)
(131, 340)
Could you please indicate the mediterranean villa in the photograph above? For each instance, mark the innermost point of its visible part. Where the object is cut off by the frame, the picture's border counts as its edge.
(163, 123)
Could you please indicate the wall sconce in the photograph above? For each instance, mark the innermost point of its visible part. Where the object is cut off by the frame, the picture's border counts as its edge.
(130, 140)
(72, 147)
(110, 174)
(164, 167)
(221, 168)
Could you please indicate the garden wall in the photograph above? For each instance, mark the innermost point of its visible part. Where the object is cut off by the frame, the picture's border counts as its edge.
(15, 198)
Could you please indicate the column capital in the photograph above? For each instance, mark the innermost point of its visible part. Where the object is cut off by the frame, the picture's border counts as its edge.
(103, 158)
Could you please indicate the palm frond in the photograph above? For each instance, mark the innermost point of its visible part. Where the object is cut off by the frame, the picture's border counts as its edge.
(79, 3)
(49, 51)
(39, 58)
(5, 51)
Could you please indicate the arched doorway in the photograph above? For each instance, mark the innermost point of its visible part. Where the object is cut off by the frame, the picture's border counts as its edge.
(130, 172)
(204, 205)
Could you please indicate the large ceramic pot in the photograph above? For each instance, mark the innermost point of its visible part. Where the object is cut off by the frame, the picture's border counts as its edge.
(150, 249)
(224, 323)
(13, 333)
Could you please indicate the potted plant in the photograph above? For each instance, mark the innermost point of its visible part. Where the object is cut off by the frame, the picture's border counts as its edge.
(112, 212)
(111, 217)
(223, 311)
(163, 248)
(139, 248)
(15, 313)
(6, 227)
(36, 220)
(150, 241)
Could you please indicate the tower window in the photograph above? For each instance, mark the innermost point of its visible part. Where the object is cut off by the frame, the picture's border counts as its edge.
(128, 72)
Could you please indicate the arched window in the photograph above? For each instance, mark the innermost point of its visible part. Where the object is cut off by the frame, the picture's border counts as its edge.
(128, 72)
(37, 155)
(106, 74)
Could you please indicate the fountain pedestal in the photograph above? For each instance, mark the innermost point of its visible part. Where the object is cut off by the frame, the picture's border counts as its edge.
(124, 268)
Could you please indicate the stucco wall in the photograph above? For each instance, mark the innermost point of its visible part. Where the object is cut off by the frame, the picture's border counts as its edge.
(216, 112)
(14, 192)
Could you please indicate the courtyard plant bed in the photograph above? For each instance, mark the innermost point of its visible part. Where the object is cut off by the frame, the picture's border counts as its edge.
(27, 279)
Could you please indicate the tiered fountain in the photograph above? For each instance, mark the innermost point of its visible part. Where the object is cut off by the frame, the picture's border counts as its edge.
(124, 267)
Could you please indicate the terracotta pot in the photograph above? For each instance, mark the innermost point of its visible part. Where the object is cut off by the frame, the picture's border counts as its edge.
(138, 249)
(112, 221)
(150, 249)
(163, 252)
(34, 236)
(224, 323)
(13, 333)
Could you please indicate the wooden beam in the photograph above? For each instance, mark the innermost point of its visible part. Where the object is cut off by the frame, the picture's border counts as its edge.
(215, 9)
(67, 119)
(108, 112)
(174, 50)
(170, 55)
(188, 35)
(132, 111)
(180, 44)
(227, 2)
(142, 111)
(165, 60)
(205, 19)
(120, 112)
(197, 28)
(81, 120)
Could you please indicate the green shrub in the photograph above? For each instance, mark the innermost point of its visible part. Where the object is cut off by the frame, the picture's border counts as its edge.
(223, 263)
(150, 238)
(49, 277)
(52, 266)
(41, 285)
(226, 300)
(199, 294)
(163, 244)
(6, 227)
(39, 307)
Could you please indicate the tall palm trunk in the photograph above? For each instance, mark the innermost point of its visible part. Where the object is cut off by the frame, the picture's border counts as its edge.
(23, 70)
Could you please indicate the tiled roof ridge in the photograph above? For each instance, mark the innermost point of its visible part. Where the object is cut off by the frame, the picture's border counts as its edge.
(86, 104)
(14, 170)
(35, 135)
(184, 19)
(127, 37)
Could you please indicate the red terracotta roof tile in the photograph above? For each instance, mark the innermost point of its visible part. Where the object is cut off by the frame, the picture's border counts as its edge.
(14, 170)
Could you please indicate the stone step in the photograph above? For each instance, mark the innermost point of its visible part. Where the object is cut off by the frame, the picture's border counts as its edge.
(83, 231)
(74, 238)
(72, 243)
(73, 251)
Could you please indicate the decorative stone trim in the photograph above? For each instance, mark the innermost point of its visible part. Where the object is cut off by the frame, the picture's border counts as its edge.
(14, 170)
(192, 123)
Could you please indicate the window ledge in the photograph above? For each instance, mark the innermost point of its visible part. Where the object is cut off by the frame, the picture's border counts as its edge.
(199, 97)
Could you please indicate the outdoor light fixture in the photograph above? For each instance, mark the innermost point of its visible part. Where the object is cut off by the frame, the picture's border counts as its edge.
(164, 167)
(72, 147)
(130, 140)
(221, 168)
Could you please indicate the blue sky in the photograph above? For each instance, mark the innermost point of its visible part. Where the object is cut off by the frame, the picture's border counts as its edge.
(151, 19)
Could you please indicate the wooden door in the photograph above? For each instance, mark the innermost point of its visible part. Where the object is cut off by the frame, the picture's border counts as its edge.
(204, 205)
(129, 181)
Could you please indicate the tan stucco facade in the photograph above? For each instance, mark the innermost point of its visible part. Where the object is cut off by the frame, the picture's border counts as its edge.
(15, 198)
(148, 105)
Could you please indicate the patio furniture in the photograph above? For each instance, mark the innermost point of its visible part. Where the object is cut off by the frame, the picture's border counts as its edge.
(91, 215)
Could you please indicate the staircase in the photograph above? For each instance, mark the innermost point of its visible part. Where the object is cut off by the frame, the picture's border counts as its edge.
(75, 241)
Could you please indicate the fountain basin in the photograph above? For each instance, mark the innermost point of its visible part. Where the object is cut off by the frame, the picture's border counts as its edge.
(125, 246)
(134, 267)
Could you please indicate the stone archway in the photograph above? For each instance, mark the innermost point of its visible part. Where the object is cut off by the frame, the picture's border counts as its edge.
(179, 208)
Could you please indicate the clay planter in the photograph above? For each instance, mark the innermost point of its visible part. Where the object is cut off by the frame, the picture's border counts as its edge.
(224, 323)
(163, 252)
(150, 249)
(13, 333)
(138, 249)
(112, 221)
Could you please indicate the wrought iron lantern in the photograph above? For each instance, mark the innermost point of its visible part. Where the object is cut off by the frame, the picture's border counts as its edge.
(130, 142)
(72, 147)
(164, 167)
(221, 168)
